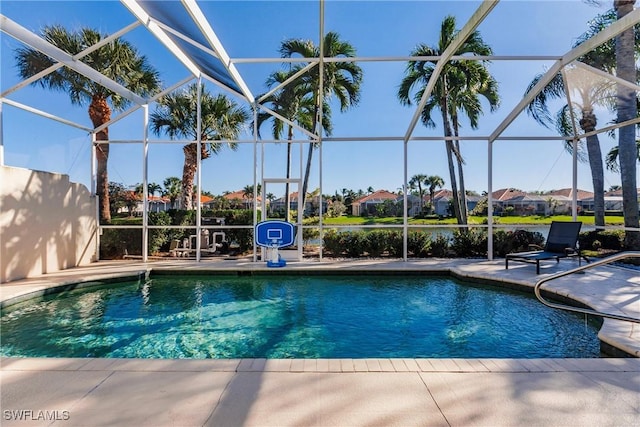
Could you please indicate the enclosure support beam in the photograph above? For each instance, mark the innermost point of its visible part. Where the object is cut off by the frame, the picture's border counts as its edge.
(199, 172)
(319, 128)
(574, 150)
(145, 186)
(490, 200)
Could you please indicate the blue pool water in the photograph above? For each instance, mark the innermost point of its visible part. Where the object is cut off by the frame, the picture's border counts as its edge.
(294, 317)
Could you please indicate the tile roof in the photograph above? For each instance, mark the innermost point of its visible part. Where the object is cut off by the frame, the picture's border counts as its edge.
(378, 195)
(568, 192)
(239, 195)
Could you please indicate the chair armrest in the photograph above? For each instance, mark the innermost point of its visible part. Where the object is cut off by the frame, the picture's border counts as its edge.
(533, 246)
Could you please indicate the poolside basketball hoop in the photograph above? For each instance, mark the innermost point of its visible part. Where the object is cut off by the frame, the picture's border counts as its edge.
(274, 235)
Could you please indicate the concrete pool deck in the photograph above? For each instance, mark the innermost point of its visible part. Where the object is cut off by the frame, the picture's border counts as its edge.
(339, 392)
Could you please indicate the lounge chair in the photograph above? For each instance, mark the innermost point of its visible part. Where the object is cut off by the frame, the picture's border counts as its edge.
(562, 242)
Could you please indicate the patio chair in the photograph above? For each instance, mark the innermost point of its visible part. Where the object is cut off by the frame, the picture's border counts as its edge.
(176, 251)
(562, 242)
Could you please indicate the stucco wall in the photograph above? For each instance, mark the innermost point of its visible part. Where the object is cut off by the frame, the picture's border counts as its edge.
(47, 223)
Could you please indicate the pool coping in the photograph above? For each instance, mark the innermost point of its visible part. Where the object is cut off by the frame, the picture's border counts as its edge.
(617, 338)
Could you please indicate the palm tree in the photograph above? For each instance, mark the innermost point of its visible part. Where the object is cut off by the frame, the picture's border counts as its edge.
(591, 91)
(117, 60)
(416, 181)
(221, 119)
(248, 192)
(611, 160)
(291, 102)
(627, 109)
(172, 189)
(433, 181)
(138, 190)
(590, 94)
(154, 188)
(340, 79)
(464, 94)
(270, 198)
(458, 88)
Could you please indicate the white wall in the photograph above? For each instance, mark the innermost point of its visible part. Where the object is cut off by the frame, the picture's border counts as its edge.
(47, 223)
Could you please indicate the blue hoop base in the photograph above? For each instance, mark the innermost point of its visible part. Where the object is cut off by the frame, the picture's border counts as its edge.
(279, 263)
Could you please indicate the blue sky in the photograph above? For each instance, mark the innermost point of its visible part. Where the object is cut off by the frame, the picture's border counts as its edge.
(255, 30)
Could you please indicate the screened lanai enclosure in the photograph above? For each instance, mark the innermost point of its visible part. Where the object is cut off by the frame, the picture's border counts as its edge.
(189, 122)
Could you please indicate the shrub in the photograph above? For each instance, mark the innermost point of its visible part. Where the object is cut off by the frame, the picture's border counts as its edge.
(501, 245)
(440, 246)
(418, 243)
(117, 242)
(376, 242)
(242, 237)
(505, 242)
(182, 217)
(336, 209)
(509, 211)
(309, 234)
(331, 242)
(353, 243)
(469, 242)
(159, 237)
(610, 239)
(395, 243)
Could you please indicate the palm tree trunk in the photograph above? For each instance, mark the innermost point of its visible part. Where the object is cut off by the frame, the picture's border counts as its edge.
(432, 193)
(588, 123)
(286, 186)
(462, 198)
(452, 168)
(627, 109)
(597, 179)
(305, 182)
(188, 173)
(454, 185)
(100, 113)
(307, 170)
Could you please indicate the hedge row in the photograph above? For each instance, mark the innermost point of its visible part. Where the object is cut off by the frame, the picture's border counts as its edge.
(466, 243)
(376, 243)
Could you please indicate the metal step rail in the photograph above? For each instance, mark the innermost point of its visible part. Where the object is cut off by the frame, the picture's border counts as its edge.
(604, 261)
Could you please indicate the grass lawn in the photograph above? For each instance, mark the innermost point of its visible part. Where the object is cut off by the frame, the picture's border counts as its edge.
(507, 220)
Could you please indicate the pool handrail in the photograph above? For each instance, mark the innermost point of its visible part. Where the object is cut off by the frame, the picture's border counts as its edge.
(607, 260)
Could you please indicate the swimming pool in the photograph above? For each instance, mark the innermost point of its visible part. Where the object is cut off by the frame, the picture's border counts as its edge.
(275, 316)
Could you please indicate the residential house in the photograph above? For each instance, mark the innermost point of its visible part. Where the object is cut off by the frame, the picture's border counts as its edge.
(523, 203)
(158, 204)
(414, 205)
(612, 201)
(368, 204)
(562, 200)
(235, 200)
(155, 203)
(442, 202)
(311, 204)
